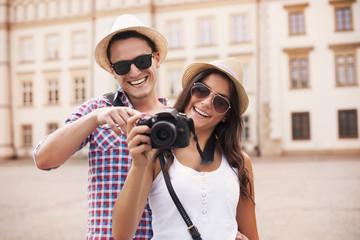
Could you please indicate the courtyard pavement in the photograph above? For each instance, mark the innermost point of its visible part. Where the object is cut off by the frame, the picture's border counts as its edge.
(297, 198)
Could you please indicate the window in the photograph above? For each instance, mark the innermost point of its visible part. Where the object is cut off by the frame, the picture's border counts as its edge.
(246, 128)
(47, 9)
(27, 49)
(345, 63)
(343, 15)
(52, 127)
(299, 67)
(26, 135)
(81, 5)
(52, 47)
(174, 77)
(239, 26)
(25, 13)
(296, 19)
(69, 6)
(58, 8)
(79, 89)
(348, 124)
(345, 69)
(27, 93)
(174, 29)
(343, 19)
(300, 126)
(15, 13)
(53, 91)
(246, 78)
(36, 10)
(79, 44)
(206, 34)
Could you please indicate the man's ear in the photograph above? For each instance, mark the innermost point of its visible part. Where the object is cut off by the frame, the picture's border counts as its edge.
(112, 71)
(157, 59)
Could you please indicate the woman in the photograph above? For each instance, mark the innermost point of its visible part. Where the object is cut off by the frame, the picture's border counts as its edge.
(216, 192)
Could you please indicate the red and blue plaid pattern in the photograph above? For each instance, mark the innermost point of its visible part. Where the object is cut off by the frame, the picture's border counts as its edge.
(109, 163)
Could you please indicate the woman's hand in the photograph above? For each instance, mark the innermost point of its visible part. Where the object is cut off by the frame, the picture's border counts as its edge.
(138, 140)
(240, 236)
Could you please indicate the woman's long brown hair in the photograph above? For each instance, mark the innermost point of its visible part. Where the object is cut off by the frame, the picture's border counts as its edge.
(228, 134)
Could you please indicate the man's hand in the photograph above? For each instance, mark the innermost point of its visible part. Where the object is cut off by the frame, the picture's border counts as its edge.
(114, 117)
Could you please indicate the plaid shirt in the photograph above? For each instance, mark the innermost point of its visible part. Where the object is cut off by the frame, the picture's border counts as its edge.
(109, 163)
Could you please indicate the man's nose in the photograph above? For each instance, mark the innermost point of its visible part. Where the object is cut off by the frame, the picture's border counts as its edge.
(134, 71)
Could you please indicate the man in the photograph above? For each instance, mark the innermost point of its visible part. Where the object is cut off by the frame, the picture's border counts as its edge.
(131, 53)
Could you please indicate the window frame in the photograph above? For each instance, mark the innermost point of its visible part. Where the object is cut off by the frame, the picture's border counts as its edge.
(343, 4)
(345, 49)
(75, 36)
(356, 135)
(53, 91)
(292, 9)
(52, 50)
(79, 92)
(210, 30)
(298, 53)
(27, 49)
(302, 137)
(243, 29)
(247, 128)
(26, 135)
(51, 127)
(27, 93)
(175, 31)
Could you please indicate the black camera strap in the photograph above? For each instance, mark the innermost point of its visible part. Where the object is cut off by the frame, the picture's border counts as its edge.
(114, 99)
(207, 156)
(194, 232)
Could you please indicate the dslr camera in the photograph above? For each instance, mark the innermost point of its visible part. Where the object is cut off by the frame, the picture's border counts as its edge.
(169, 129)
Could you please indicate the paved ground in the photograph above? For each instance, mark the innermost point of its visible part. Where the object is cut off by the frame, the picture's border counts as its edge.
(307, 198)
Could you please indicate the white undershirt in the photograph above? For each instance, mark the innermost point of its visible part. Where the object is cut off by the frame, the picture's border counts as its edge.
(209, 198)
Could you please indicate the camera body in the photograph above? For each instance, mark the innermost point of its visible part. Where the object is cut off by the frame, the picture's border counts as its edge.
(169, 129)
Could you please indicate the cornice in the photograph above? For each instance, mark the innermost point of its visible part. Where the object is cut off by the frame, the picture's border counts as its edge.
(49, 22)
(199, 5)
(298, 50)
(343, 46)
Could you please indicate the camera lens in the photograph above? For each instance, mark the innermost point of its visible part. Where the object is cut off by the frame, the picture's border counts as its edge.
(163, 134)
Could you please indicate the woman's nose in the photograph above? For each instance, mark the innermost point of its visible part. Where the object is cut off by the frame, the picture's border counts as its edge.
(208, 100)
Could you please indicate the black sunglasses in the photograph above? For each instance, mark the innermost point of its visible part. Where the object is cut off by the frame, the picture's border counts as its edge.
(141, 62)
(220, 103)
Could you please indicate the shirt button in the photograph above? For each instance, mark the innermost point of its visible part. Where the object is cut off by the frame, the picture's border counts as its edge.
(203, 187)
(203, 195)
(204, 211)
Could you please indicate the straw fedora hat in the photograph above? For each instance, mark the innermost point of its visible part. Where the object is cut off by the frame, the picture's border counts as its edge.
(124, 23)
(231, 67)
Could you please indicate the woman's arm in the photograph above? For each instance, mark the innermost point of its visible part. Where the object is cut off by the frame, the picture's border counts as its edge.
(132, 198)
(245, 216)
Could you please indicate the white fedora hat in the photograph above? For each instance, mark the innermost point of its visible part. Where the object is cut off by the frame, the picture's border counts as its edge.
(231, 67)
(124, 23)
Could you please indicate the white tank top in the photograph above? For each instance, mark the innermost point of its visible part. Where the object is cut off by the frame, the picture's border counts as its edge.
(209, 198)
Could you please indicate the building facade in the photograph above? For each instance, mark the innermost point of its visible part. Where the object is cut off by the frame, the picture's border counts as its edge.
(299, 60)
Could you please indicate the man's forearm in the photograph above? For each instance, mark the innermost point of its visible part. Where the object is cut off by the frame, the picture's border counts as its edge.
(63, 143)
